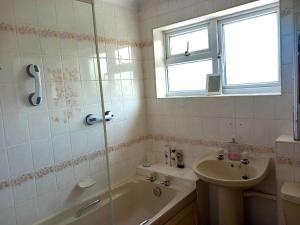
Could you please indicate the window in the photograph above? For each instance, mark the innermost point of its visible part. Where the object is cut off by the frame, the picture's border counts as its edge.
(187, 42)
(242, 47)
(250, 51)
(194, 79)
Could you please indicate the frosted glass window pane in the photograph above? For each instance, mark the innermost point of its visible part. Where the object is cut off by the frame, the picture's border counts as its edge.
(189, 76)
(198, 40)
(251, 50)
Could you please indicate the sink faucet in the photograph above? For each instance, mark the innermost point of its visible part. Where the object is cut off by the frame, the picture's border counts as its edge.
(244, 160)
(220, 155)
(86, 207)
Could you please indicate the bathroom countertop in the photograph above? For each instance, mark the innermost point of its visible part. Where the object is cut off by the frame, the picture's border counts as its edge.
(185, 173)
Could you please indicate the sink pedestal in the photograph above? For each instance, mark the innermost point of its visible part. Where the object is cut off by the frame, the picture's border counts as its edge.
(231, 207)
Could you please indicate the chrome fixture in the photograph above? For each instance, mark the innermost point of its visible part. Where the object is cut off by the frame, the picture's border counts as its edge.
(244, 162)
(86, 207)
(91, 119)
(165, 181)
(151, 178)
(34, 71)
(220, 155)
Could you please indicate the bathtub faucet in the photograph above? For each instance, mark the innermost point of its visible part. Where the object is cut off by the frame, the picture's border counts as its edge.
(165, 181)
(86, 207)
(152, 177)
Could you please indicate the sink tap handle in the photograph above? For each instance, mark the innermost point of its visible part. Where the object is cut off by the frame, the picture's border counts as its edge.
(245, 161)
(220, 155)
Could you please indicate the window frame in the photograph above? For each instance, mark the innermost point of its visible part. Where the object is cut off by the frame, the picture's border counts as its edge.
(216, 53)
(260, 87)
(196, 56)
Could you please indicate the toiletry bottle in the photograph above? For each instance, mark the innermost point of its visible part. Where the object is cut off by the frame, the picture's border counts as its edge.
(173, 158)
(233, 152)
(167, 155)
(180, 162)
(167, 160)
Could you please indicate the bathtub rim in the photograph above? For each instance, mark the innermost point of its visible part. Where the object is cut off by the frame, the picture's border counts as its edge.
(181, 192)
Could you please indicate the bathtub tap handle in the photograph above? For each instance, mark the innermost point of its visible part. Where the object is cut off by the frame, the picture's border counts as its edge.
(151, 178)
(165, 181)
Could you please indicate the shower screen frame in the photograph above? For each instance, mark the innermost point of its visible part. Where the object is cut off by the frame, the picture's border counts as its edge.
(296, 122)
(92, 3)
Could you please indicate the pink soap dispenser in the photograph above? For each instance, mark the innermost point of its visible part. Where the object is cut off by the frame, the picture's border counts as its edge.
(233, 152)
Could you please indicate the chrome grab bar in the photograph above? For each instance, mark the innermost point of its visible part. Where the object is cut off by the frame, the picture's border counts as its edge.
(86, 207)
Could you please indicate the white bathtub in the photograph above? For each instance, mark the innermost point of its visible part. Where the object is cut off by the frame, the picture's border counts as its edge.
(133, 203)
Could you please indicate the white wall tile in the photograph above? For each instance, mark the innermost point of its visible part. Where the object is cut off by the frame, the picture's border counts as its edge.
(76, 118)
(42, 152)
(65, 178)
(24, 192)
(25, 11)
(46, 184)
(29, 44)
(46, 13)
(6, 198)
(79, 143)
(9, 97)
(8, 216)
(26, 212)
(2, 138)
(62, 148)
(6, 12)
(4, 167)
(10, 62)
(8, 42)
(47, 204)
(20, 159)
(59, 122)
(39, 125)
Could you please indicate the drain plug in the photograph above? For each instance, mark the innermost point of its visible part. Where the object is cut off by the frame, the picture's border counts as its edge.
(245, 177)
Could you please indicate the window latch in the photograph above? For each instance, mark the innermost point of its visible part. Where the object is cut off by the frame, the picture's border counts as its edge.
(187, 52)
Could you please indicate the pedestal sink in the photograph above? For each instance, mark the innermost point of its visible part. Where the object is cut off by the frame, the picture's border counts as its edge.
(231, 178)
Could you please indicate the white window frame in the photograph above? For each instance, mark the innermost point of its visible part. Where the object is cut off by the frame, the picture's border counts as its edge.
(266, 87)
(201, 55)
(213, 23)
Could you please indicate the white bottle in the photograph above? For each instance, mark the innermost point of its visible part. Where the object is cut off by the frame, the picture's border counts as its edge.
(173, 158)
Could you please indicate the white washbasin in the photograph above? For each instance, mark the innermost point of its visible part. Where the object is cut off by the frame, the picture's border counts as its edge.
(232, 174)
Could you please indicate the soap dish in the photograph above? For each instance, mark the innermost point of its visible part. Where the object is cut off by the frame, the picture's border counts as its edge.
(147, 163)
(86, 183)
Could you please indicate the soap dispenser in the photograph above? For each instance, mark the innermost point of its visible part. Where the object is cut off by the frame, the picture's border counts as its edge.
(233, 152)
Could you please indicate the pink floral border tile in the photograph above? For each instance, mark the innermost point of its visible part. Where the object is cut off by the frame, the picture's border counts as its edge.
(48, 33)
(91, 156)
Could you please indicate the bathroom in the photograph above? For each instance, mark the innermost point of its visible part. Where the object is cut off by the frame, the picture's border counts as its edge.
(128, 112)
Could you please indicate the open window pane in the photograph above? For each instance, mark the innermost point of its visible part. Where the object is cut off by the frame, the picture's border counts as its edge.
(197, 40)
(189, 76)
(251, 50)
